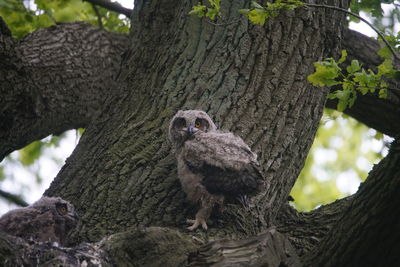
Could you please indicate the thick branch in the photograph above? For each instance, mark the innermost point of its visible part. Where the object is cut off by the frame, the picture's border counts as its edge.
(380, 114)
(305, 230)
(358, 230)
(367, 233)
(270, 248)
(15, 251)
(154, 246)
(53, 80)
(116, 7)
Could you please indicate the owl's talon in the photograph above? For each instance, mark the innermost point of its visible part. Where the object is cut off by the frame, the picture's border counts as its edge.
(196, 223)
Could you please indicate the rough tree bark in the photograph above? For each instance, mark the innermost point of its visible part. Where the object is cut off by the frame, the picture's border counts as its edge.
(122, 175)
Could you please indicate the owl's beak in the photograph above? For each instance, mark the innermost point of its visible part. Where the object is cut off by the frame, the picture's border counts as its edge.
(74, 215)
(190, 130)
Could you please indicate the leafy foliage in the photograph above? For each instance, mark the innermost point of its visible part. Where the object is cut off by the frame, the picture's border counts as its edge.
(211, 12)
(343, 152)
(258, 14)
(354, 79)
(24, 167)
(371, 6)
(33, 15)
(31, 153)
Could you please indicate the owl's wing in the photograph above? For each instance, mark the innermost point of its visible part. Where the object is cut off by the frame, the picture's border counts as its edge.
(227, 164)
(19, 222)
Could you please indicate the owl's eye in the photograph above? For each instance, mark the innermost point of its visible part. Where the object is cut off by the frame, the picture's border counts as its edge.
(179, 123)
(197, 124)
(62, 208)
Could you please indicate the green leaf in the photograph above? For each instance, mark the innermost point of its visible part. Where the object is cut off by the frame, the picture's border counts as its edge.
(385, 52)
(22, 20)
(199, 10)
(352, 98)
(343, 57)
(332, 95)
(378, 136)
(341, 105)
(258, 13)
(212, 13)
(363, 90)
(362, 78)
(347, 85)
(325, 74)
(215, 4)
(346, 98)
(383, 93)
(258, 16)
(29, 154)
(354, 66)
(385, 68)
(244, 11)
(256, 5)
(81, 130)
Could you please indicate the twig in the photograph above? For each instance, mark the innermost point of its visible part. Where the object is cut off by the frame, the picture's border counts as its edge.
(378, 88)
(96, 10)
(222, 24)
(112, 7)
(362, 19)
(13, 198)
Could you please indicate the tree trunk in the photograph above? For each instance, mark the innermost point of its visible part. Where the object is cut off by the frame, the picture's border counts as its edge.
(250, 79)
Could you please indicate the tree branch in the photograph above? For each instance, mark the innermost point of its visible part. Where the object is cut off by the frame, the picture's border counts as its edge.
(306, 229)
(4, 30)
(270, 248)
(53, 80)
(362, 19)
(367, 233)
(380, 114)
(15, 251)
(330, 235)
(96, 10)
(13, 198)
(116, 7)
(155, 246)
(152, 246)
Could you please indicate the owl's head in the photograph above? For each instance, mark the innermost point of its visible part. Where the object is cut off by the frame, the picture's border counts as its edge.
(59, 207)
(186, 123)
(50, 219)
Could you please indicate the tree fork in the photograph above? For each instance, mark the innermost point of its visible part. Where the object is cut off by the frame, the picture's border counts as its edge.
(256, 74)
(252, 80)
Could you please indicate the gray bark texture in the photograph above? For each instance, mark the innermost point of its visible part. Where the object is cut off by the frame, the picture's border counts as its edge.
(121, 177)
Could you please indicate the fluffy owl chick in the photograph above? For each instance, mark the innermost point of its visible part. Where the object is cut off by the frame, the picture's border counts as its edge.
(211, 164)
(48, 219)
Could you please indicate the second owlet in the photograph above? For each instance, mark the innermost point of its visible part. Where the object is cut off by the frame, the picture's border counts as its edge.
(212, 164)
(48, 219)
